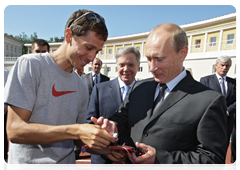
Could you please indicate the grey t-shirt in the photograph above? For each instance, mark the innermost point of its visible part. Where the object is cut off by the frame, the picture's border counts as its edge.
(54, 96)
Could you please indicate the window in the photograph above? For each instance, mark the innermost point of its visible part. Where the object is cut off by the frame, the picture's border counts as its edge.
(140, 69)
(138, 48)
(197, 43)
(7, 47)
(108, 69)
(89, 69)
(15, 50)
(11, 49)
(213, 41)
(110, 51)
(230, 38)
(101, 52)
(116, 69)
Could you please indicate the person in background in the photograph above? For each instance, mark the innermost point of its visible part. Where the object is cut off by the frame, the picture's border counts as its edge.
(40, 46)
(6, 72)
(172, 117)
(107, 97)
(80, 72)
(95, 76)
(226, 86)
(234, 140)
(41, 126)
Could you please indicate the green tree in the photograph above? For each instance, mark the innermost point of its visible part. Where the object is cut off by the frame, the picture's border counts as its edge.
(25, 39)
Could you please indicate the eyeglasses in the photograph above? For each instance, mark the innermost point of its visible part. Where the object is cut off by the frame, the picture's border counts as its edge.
(92, 17)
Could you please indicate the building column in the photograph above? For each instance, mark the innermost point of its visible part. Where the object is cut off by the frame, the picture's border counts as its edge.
(105, 51)
(142, 48)
(220, 40)
(113, 51)
(205, 42)
(190, 44)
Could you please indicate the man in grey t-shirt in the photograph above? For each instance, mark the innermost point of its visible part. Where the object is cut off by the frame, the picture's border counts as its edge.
(47, 100)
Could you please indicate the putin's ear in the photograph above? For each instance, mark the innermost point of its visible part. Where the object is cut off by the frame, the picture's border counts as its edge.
(68, 35)
(184, 52)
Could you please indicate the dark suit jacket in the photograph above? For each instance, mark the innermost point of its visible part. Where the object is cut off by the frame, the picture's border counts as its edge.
(212, 82)
(105, 100)
(188, 127)
(88, 79)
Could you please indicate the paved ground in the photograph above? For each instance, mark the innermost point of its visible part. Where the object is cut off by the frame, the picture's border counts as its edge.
(85, 158)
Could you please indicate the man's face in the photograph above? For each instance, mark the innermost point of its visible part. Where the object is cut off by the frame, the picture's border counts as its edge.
(96, 66)
(83, 49)
(127, 66)
(222, 68)
(163, 61)
(39, 49)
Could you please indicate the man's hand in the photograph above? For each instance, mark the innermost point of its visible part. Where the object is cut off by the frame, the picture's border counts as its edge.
(118, 157)
(147, 158)
(95, 137)
(110, 126)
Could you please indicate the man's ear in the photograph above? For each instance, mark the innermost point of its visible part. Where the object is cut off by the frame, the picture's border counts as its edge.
(184, 52)
(68, 35)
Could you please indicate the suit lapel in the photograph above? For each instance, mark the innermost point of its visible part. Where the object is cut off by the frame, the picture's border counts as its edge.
(178, 93)
(91, 80)
(101, 78)
(114, 91)
(150, 98)
(229, 85)
(216, 83)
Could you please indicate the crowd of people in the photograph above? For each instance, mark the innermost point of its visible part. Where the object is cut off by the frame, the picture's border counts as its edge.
(53, 108)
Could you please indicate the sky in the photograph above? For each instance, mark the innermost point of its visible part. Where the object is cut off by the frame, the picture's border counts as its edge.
(49, 20)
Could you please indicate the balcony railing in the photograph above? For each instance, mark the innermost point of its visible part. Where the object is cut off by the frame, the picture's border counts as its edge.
(10, 59)
(198, 48)
(213, 46)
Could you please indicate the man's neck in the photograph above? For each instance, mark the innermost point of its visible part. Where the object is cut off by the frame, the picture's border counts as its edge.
(60, 58)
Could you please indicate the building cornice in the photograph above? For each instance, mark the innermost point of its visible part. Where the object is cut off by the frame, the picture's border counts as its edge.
(210, 21)
(12, 38)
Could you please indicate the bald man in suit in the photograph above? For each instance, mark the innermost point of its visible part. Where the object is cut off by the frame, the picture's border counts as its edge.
(172, 117)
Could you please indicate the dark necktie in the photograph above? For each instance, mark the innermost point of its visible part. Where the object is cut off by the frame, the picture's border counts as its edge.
(160, 96)
(222, 83)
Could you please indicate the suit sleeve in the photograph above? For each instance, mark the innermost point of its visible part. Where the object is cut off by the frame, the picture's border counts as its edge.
(211, 136)
(232, 108)
(93, 107)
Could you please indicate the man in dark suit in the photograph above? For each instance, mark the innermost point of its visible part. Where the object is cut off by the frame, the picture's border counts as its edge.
(188, 123)
(234, 140)
(95, 76)
(107, 97)
(227, 89)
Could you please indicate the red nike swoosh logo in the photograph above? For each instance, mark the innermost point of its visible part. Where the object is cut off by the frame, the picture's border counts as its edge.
(59, 93)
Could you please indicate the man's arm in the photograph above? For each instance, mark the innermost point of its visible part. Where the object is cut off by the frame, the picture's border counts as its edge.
(20, 130)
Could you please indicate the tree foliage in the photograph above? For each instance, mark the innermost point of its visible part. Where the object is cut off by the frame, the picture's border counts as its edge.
(28, 40)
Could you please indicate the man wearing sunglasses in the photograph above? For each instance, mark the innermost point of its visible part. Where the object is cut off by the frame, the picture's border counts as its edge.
(48, 101)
